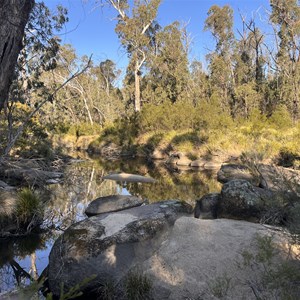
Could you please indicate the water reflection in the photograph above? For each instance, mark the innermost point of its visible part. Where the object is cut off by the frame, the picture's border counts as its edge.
(83, 182)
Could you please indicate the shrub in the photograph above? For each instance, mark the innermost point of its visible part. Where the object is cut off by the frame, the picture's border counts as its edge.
(281, 118)
(137, 286)
(220, 286)
(268, 277)
(29, 208)
(287, 158)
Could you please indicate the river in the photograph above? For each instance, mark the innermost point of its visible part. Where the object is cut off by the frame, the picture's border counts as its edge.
(83, 182)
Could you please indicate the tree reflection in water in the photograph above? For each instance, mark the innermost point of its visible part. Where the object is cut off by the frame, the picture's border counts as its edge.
(83, 182)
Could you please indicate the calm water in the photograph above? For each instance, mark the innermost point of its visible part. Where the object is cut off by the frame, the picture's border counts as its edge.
(83, 182)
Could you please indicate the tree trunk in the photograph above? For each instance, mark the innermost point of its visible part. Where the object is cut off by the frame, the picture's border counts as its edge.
(14, 15)
(137, 95)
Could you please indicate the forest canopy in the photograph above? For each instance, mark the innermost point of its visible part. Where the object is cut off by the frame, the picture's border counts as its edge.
(246, 80)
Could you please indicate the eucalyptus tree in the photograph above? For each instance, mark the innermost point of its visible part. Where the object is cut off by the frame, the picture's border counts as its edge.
(133, 24)
(285, 18)
(14, 15)
(220, 23)
(168, 75)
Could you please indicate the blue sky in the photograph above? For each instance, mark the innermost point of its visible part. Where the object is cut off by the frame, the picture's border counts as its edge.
(91, 30)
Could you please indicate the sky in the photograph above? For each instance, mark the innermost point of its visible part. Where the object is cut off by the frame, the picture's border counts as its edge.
(91, 29)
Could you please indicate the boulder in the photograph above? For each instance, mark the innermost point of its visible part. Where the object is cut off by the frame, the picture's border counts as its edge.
(240, 199)
(233, 171)
(107, 246)
(207, 206)
(129, 178)
(278, 178)
(198, 253)
(112, 203)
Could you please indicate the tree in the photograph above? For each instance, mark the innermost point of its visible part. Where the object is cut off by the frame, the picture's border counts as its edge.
(220, 23)
(285, 18)
(14, 15)
(91, 97)
(168, 66)
(132, 30)
(39, 54)
(248, 70)
(198, 83)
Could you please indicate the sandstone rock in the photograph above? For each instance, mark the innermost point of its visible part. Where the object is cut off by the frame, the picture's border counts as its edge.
(197, 252)
(108, 246)
(207, 206)
(232, 171)
(129, 178)
(112, 203)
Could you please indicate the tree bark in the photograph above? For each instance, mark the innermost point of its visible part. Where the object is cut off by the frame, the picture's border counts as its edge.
(137, 96)
(14, 15)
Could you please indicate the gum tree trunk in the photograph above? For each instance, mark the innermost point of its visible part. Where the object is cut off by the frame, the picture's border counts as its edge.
(14, 15)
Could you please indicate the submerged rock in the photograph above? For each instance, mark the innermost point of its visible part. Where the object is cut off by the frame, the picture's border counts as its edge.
(129, 178)
(112, 203)
(107, 246)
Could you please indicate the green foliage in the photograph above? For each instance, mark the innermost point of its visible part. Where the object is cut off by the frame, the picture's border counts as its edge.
(281, 118)
(169, 72)
(137, 286)
(84, 128)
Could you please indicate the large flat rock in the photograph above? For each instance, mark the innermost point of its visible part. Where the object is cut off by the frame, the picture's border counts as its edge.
(197, 252)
